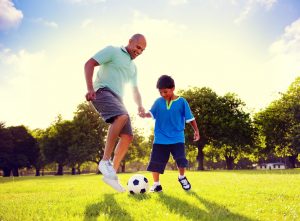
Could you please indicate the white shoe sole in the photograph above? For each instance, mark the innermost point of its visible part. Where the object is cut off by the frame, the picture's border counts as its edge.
(114, 184)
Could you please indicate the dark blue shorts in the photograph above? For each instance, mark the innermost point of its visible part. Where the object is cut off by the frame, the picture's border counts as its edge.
(160, 156)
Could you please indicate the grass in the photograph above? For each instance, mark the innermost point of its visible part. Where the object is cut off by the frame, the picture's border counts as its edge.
(215, 195)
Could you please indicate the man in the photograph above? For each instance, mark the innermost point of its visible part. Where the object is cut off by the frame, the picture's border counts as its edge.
(116, 69)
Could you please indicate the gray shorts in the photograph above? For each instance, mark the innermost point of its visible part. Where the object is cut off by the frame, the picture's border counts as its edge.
(109, 105)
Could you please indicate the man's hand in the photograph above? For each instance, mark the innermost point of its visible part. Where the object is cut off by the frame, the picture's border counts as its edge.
(90, 95)
(141, 111)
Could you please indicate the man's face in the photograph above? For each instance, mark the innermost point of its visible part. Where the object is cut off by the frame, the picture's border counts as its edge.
(136, 47)
(167, 93)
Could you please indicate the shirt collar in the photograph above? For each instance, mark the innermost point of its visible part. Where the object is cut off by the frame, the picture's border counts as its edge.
(124, 49)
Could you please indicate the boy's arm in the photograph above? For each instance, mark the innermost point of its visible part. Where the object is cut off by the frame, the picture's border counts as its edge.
(196, 130)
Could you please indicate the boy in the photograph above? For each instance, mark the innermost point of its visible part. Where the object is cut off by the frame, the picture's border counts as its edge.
(170, 113)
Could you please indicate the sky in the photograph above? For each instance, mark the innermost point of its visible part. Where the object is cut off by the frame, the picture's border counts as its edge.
(247, 47)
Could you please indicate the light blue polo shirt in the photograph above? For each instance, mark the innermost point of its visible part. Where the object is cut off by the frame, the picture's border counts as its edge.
(116, 69)
(170, 120)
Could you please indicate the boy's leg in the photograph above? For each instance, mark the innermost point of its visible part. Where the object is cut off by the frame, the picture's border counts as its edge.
(178, 153)
(181, 171)
(159, 157)
(156, 187)
(155, 176)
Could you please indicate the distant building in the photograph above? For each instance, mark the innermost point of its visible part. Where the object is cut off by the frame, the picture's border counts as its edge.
(270, 166)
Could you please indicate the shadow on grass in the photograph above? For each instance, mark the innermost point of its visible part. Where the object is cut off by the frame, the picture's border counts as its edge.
(109, 207)
(192, 212)
(139, 197)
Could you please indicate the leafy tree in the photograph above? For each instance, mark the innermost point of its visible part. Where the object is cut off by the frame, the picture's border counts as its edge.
(39, 162)
(205, 107)
(57, 140)
(280, 124)
(24, 149)
(238, 133)
(6, 150)
(90, 132)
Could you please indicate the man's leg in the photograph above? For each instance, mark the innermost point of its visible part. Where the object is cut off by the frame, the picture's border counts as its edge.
(113, 134)
(105, 166)
(121, 149)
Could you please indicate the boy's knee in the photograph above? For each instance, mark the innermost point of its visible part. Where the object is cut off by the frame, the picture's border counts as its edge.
(182, 162)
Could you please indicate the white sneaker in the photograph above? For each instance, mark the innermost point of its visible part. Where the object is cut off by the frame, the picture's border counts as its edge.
(107, 170)
(114, 183)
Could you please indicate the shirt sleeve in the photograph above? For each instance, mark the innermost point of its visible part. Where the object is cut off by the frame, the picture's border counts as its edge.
(153, 110)
(134, 77)
(187, 112)
(104, 56)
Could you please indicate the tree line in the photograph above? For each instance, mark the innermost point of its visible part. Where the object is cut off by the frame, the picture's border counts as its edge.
(231, 137)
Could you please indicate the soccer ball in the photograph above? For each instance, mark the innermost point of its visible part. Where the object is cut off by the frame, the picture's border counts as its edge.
(137, 184)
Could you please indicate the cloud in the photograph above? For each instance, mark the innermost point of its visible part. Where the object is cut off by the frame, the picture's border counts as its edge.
(35, 87)
(86, 1)
(10, 17)
(86, 23)
(178, 2)
(46, 23)
(289, 42)
(283, 65)
(250, 7)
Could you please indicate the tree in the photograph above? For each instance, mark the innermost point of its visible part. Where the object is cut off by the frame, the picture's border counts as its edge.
(24, 149)
(39, 161)
(6, 150)
(205, 107)
(90, 132)
(280, 124)
(238, 133)
(57, 141)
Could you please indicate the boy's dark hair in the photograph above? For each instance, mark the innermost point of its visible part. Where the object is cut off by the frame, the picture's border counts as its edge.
(165, 81)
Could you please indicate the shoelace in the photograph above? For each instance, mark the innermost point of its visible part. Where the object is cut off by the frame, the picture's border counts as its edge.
(184, 182)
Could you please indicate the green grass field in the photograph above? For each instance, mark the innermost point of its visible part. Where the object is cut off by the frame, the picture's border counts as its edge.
(215, 195)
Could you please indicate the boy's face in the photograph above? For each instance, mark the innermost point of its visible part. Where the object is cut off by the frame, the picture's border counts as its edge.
(167, 93)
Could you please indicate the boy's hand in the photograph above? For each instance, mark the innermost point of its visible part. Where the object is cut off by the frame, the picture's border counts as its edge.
(196, 136)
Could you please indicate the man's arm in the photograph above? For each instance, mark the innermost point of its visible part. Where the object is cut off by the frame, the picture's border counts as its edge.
(138, 100)
(89, 71)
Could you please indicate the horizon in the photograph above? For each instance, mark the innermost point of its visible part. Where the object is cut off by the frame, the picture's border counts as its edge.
(250, 48)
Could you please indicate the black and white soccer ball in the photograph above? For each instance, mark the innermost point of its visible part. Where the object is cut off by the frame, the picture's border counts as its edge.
(137, 184)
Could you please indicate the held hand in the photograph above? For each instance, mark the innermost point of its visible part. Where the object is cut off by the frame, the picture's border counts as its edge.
(90, 95)
(141, 111)
(196, 136)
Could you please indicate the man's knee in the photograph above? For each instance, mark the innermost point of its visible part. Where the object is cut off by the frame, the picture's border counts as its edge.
(127, 137)
(123, 117)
